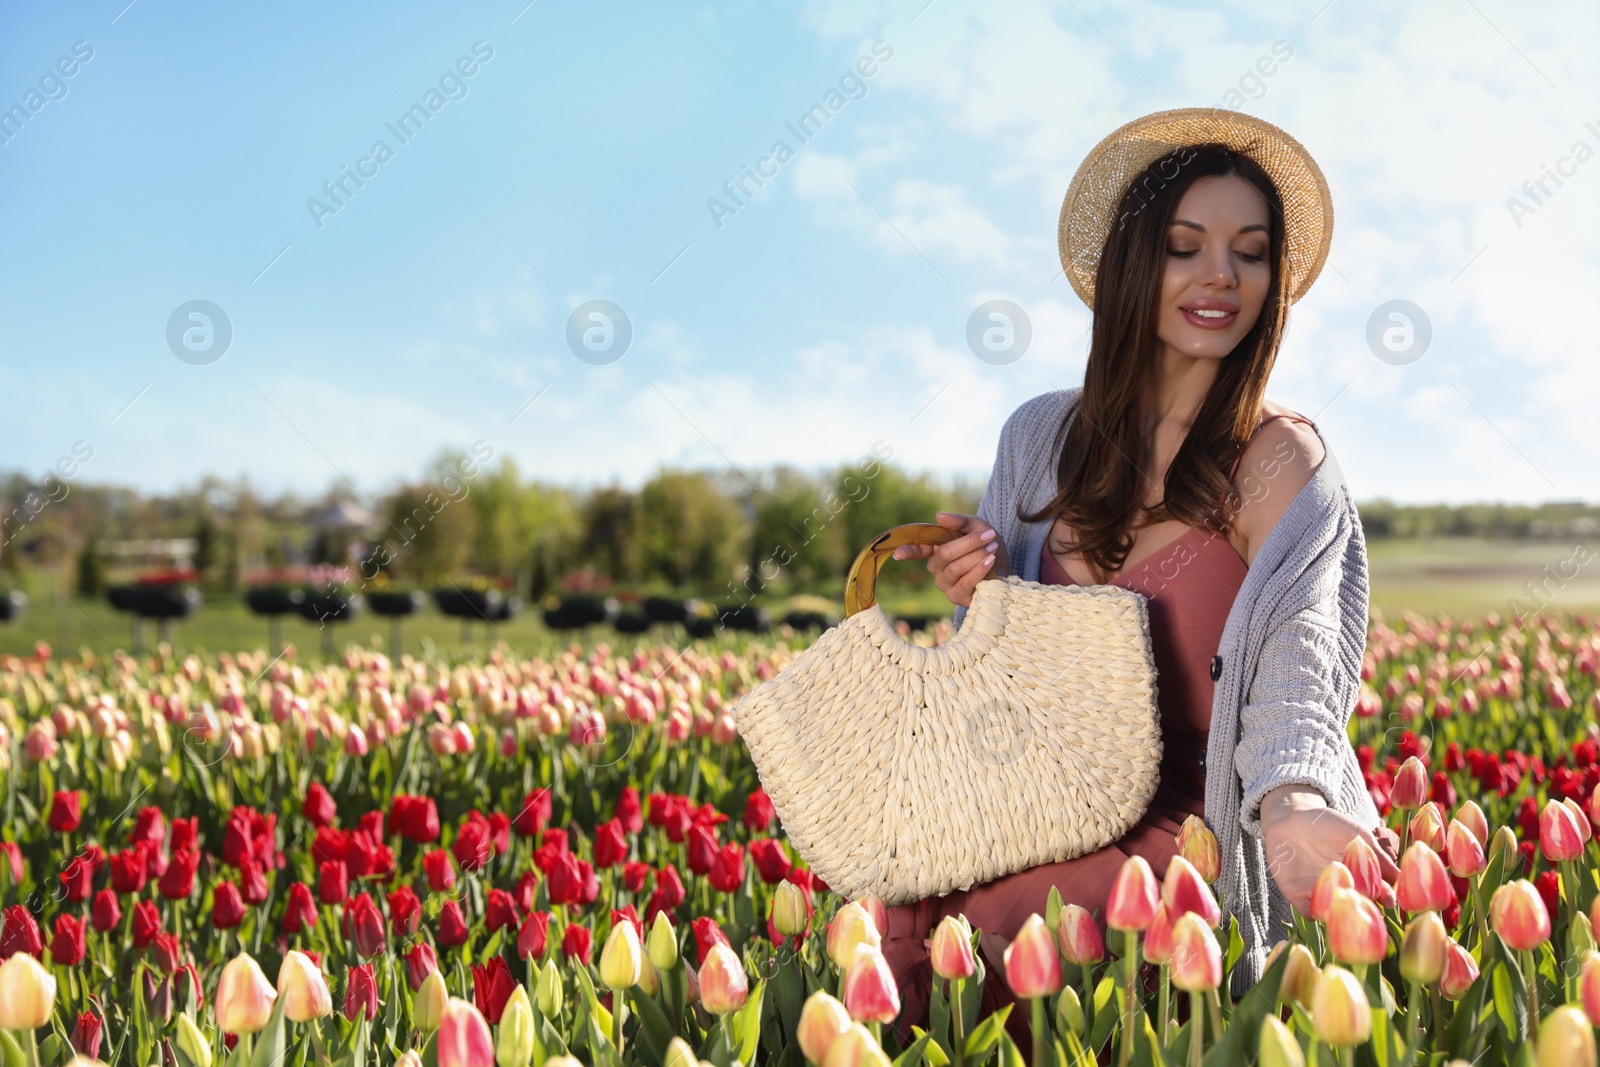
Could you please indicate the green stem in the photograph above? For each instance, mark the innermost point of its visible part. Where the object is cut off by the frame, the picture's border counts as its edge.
(1130, 941)
(1197, 1032)
(1476, 882)
(1531, 977)
(1041, 1050)
(619, 1012)
(32, 1049)
(1163, 1009)
(1215, 1004)
(958, 1021)
(1347, 1056)
(1413, 1009)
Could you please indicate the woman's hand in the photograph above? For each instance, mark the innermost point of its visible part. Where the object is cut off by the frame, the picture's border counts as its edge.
(1303, 835)
(961, 563)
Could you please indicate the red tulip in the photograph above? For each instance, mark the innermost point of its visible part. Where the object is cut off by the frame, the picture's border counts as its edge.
(66, 810)
(727, 872)
(702, 850)
(360, 993)
(492, 986)
(1134, 896)
(628, 811)
(300, 910)
(149, 828)
(1356, 931)
(20, 933)
(252, 883)
(77, 878)
(105, 913)
(610, 844)
(86, 1035)
(576, 943)
(333, 882)
(146, 923)
(421, 961)
(533, 814)
(566, 879)
(635, 875)
(366, 927)
(1184, 891)
(166, 953)
(1079, 937)
(185, 833)
(452, 927)
(771, 861)
(669, 892)
(1560, 837)
(405, 911)
(758, 811)
(499, 911)
(1410, 785)
(499, 832)
(1424, 884)
(441, 875)
(1033, 968)
(706, 934)
(473, 843)
(68, 946)
(1518, 914)
(128, 871)
(227, 906)
(177, 881)
(534, 935)
(11, 860)
(318, 806)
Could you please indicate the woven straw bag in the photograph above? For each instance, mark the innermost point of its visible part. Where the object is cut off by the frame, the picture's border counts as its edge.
(904, 772)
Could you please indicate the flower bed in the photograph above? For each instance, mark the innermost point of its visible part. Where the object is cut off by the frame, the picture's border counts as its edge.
(514, 860)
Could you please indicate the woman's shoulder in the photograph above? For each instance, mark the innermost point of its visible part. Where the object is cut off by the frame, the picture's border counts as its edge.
(1038, 415)
(1280, 460)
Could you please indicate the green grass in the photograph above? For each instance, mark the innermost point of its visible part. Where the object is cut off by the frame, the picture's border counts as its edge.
(1456, 576)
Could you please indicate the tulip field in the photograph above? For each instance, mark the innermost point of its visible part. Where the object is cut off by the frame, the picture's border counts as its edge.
(568, 858)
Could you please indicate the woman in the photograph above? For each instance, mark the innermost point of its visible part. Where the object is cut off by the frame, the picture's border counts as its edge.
(1174, 477)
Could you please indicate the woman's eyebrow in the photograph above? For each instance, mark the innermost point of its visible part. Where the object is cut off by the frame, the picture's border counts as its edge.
(1243, 229)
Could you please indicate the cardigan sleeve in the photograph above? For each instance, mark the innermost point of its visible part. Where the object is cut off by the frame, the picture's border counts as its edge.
(999, 497)
(1293, 723)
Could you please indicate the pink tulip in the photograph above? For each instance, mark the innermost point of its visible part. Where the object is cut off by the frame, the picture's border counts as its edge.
(1464, 850)
(464, 1039)
(1334, 876)
(1410, 785)
(1427, 826)
(1196, 957)
(1356, 931)
(1471, 816)
(1517, 913)
(1033, 968)
(822, 1021)
(951, 953)
(1580, 817)
(1158, 938)
(1589, 985)
(1134, 896)
(1079, 937)
(1184, 891)
(1364, 869)
(870, 993)
(724, 987)
(1559, 835)
(1460, 971)
(1424, 884)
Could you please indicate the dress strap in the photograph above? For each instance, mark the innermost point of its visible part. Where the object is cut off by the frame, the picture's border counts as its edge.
(1263, 422)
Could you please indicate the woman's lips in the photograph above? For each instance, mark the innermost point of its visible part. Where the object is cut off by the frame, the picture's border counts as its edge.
(1209, 322)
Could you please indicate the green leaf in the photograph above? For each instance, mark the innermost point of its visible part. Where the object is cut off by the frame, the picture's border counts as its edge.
(1235, 945)
(912, 1056)
(1510, 1001)
(10, 1052)
(271, 1045)
(654, 1029)
(1242, 1036)
(986, 1035)
(934, 1051)
(745, 1028)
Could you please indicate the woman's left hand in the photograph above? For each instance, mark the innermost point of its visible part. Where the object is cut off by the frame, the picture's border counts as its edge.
(1302, 835)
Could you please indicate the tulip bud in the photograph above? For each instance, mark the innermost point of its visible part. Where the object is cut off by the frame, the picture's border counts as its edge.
(464, 1039)
(1033, 967)
(548, 992)
(679, 1054)
(427, 1008)
(27, 993)
(951, 953)
(1069, 1012)
(1340, 1009)
(1503, 845)
(514, 1038)
(1078, 937)
(851, 926)
(1460, 971)
(1422, 950)
(1424, 884)
(856, 1047)
(1410, 785)
(1580, 936)
(1300, 974)
(1517, 913)
(1579, 817)
(413, 1058)
(1356, 931)
(1196, 957)
(1471, 816)
(1559, 835)
(1334, 876)
(1134, 896)
(870, 994)
(1278, 1046)
(1463, 849)
(1364, 870)
(304, 989)
(1566, 1039)
(1198, 845)
(1427, 826)
(789, 913)
(1184, 891)
(192, 1042)
(1589, 984)
(723, 984)
(244, 997)
(663, 943)
(822, 1020)
(621, 958)
(1158, 938)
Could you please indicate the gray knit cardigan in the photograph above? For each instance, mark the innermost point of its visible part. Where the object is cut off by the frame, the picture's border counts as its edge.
(1291, 661)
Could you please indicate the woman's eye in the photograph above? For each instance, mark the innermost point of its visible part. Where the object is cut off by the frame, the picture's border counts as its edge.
(1250, 258)
(1180, 255)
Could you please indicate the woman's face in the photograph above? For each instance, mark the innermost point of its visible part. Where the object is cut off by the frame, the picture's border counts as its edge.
(1217, 270)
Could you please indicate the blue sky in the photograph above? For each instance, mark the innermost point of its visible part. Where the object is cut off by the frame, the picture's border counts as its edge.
(576, 161)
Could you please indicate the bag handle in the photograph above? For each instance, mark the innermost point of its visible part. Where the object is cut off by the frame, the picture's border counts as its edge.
(862, 582)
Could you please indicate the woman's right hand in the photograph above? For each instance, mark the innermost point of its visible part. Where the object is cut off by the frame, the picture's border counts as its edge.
(961, 563)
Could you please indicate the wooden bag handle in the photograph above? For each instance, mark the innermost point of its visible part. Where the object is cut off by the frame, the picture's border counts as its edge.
(860, 586)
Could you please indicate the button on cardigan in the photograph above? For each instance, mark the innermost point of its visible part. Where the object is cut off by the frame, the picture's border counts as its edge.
(1290, 660)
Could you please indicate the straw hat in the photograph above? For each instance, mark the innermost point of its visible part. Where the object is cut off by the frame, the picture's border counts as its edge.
(1090, 207)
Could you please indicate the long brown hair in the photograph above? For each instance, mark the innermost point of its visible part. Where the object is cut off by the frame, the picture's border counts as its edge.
(1101, 442)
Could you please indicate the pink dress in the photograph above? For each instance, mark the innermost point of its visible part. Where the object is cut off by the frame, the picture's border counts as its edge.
(1191, 585)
